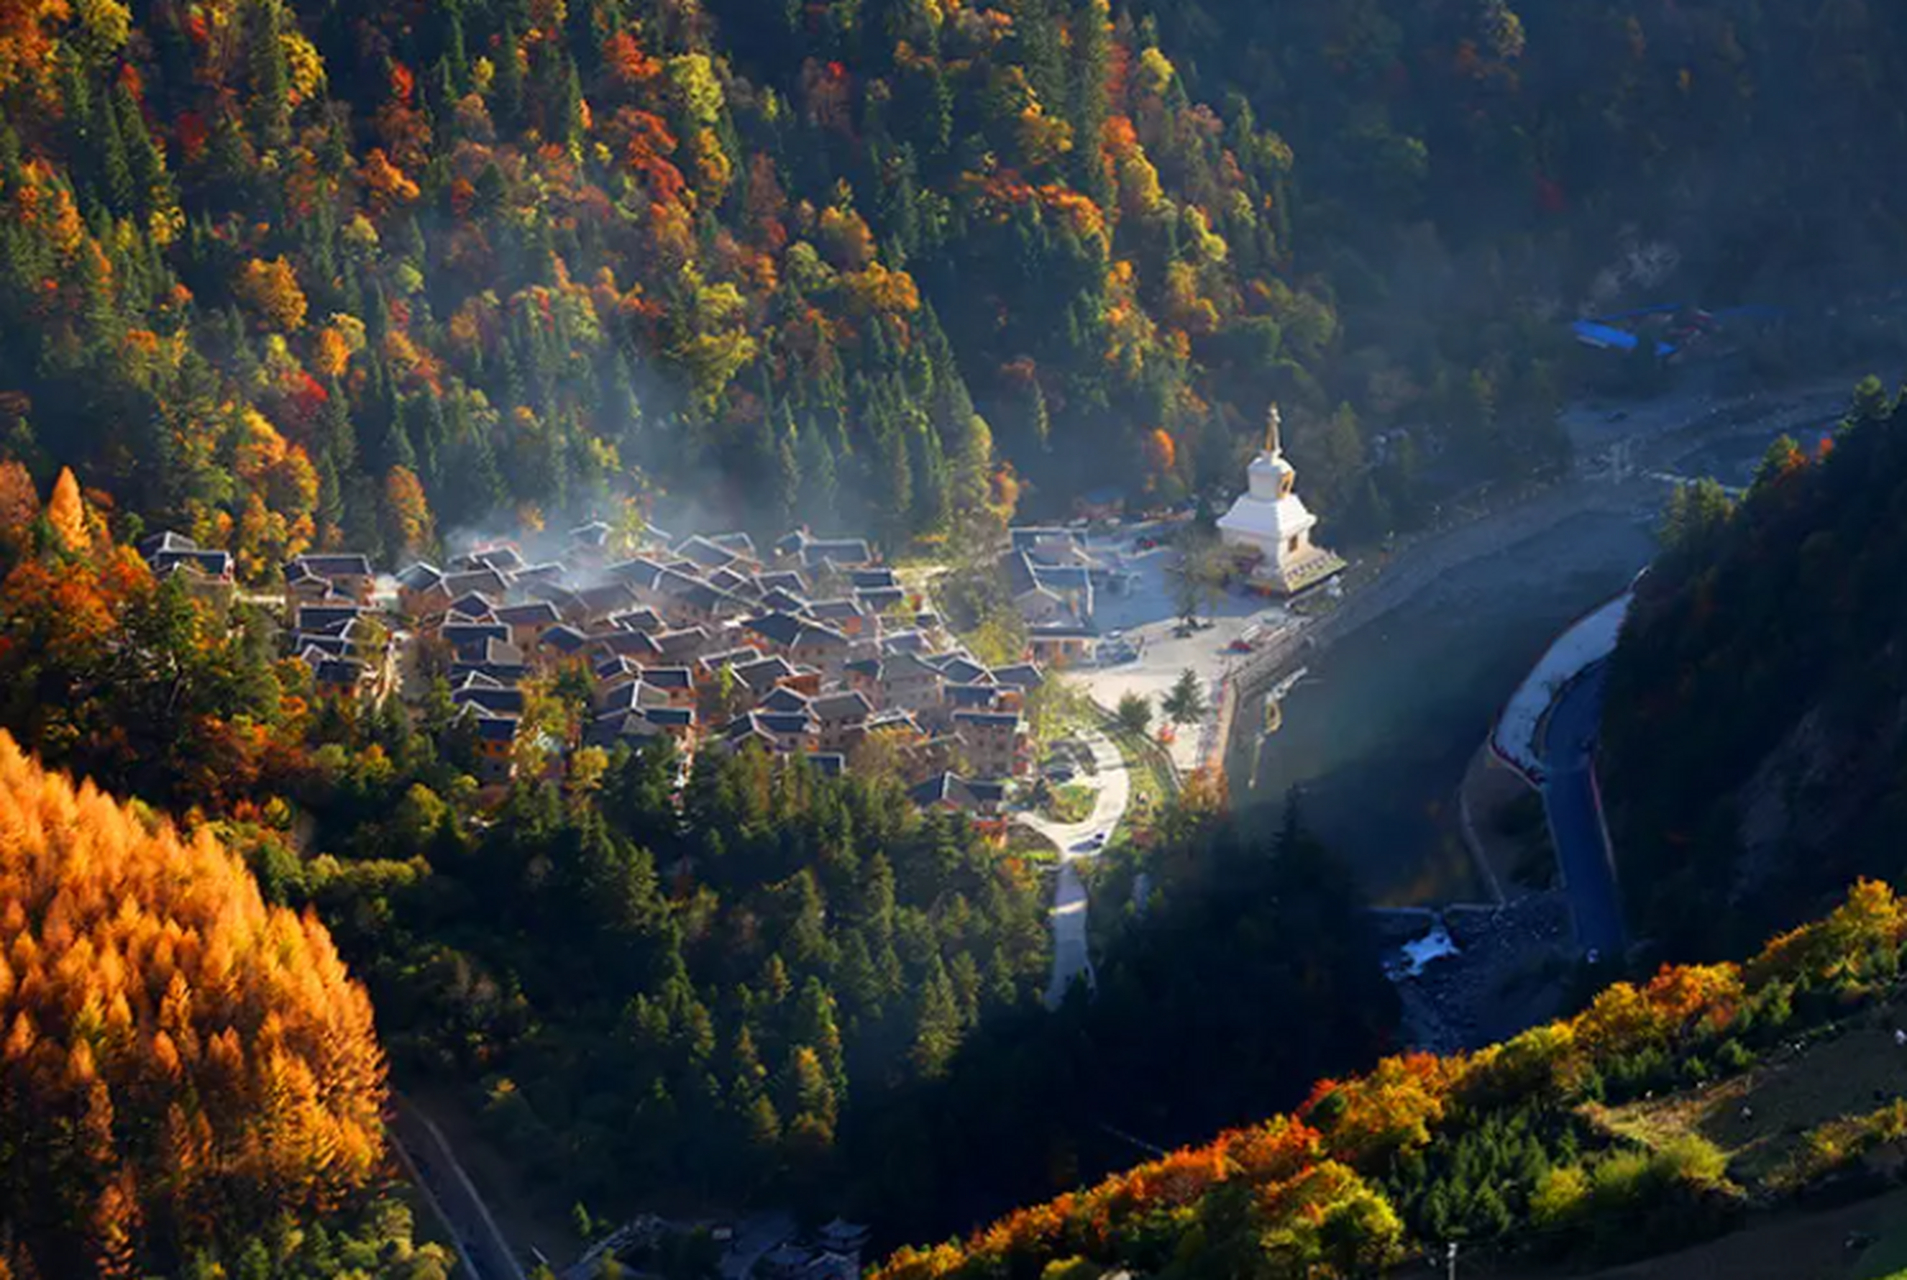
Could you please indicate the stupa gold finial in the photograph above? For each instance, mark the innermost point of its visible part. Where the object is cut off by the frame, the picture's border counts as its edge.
(1274, 440)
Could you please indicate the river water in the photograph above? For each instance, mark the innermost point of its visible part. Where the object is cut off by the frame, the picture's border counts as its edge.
(1377, 737)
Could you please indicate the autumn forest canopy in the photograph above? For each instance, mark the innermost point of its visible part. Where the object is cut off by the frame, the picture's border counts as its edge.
(353, 274)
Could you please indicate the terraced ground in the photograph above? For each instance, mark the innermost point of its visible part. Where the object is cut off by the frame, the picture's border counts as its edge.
(1759, 1118)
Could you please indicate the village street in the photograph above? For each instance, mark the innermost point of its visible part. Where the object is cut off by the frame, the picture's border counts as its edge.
(1075, 841)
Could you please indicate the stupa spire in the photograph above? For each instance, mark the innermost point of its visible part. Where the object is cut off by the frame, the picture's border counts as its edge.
(1274, 432)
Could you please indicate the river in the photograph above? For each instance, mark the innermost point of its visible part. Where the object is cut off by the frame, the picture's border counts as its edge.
(1377, 737)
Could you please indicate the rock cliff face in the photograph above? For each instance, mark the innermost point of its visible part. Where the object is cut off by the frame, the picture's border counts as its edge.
(1801, 798)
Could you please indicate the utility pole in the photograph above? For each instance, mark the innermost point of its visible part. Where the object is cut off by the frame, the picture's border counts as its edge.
(1450, 1257)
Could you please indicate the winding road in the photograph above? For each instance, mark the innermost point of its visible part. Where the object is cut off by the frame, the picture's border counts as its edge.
(486, 1255)
(1573, 803)
(1072, 960)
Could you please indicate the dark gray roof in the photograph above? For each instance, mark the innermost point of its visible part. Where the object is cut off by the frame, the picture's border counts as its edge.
(780, 601)
(617, 668)
(909, 666)
(323, 617)
(730, 581)
(669, 677)
(970, 696)
(499, 699)
(548, 571)
(213, 564)
(962, 670)
(497, 728)
(471, 636)
(638, 620)
(504, 559)
(484, 582)
(905, 643)
(844, 705)
(783, 580)
(554, 592)
(881, 599)
(1021, 675)
(764, 674)
(331, 646)
(421, 576)
(1020, 578)
(987, 719)
(474, 605)
(848, 553)
(833, 610)
(565, 639)
(704, 552)
(632, 696)
(613, 729)
(878, 579)
(508, 673)
(608, 598)
(639, 572)
(632, 644)
(345, 566)
(783, 699)
(778, 628)
(519, 615)
(951, 788)
(829, 764)
(712, 662)
(683, 645)
(165, 540)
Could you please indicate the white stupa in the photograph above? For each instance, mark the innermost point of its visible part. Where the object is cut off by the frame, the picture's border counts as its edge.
(1271, 522)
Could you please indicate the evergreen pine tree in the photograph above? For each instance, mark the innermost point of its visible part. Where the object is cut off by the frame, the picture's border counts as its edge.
(268, 106)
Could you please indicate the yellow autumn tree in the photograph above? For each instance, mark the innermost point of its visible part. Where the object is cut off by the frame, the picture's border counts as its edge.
(19, 507)
(66, 514)
(277, 497)
(407, 512)
(271, 289)
(174, 1053)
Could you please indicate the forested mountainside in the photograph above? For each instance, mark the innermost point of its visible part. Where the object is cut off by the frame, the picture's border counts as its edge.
(1754, 736)
(353, 273)
(756, 986)
(1550, 1146)
(190, 1080)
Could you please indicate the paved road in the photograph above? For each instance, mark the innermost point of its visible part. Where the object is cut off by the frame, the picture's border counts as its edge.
(480, 1245)
(1071, 958)
(1574, 805)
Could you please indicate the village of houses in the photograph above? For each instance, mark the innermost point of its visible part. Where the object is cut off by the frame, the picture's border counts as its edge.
(807, 648)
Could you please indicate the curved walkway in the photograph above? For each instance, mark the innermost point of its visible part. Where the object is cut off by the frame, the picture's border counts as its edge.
(1071, 959)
